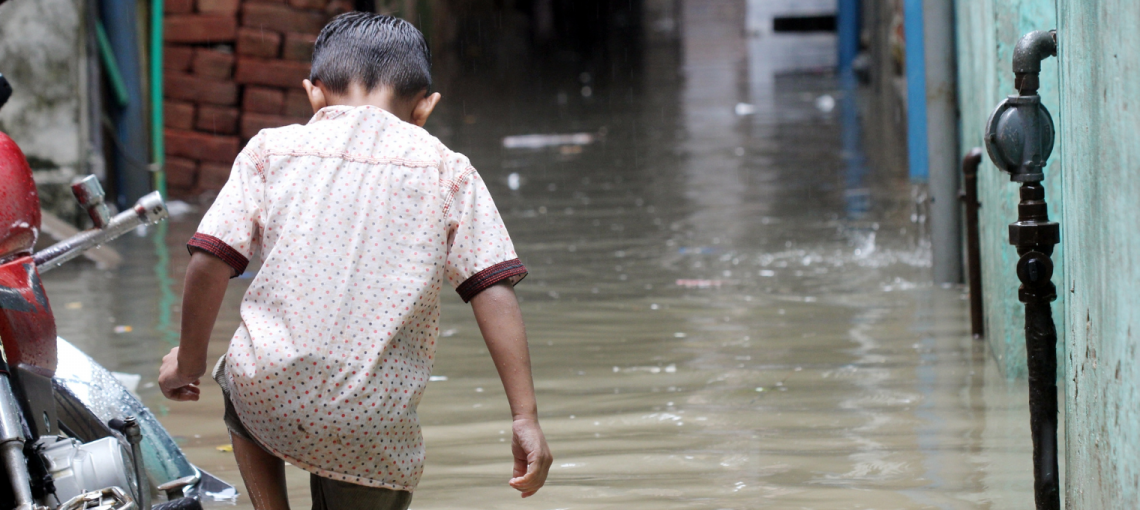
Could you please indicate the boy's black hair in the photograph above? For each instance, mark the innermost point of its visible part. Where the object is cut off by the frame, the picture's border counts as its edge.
(374, 50)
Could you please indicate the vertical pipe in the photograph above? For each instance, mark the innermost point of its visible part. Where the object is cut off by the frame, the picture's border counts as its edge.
(1041, 357)
(847, 34)
(973, 243)
(915, 91)
(120, 17)
(158, 148)
(1019, 138)
(942, 139)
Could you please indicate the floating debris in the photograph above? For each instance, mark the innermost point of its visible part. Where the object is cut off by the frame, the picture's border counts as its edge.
(543, 141)
(825, 103)
(696, 250)
(700, 284)
(228, 495)
(178, 208)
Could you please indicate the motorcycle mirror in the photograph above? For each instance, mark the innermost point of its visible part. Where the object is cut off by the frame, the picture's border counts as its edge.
(5, 87)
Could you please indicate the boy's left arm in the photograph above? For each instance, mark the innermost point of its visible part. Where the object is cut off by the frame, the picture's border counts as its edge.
(500, 320)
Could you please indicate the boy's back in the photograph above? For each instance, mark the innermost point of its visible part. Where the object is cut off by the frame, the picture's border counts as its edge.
(359, 218)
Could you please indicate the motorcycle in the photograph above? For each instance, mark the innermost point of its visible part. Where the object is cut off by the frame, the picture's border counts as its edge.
(71, 435)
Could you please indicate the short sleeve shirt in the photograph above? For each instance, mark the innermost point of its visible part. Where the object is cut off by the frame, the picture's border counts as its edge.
(358, 218)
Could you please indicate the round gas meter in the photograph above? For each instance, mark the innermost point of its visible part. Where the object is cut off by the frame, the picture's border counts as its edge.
(1019, 137)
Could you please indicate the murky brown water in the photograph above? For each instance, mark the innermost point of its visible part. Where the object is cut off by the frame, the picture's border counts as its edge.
(725, 311)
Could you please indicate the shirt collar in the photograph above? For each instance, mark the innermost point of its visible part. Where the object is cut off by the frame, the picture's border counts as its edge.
(332, 112)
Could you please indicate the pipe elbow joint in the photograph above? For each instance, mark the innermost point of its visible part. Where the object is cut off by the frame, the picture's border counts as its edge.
(1031, 49)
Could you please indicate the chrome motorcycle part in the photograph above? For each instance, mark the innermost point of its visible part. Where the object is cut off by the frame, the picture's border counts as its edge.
(129, 427)
(10, 427)
(175, 489)
(79, 468)
(179, 504)
(111, 498)
(88, 397)
(90, 195)
(150, 209)
(12, 446)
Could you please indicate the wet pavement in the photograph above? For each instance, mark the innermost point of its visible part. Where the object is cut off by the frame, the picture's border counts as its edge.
(728, 307)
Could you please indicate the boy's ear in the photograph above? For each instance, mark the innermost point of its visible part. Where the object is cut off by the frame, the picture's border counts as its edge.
(316, 96)
(423, 109)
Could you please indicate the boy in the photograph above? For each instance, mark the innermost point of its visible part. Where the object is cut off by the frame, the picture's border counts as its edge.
(358, 216)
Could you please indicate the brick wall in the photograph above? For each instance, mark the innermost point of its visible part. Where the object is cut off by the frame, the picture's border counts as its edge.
(232, 68)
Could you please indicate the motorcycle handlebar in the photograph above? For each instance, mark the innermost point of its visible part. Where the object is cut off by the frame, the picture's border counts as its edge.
(149, 210)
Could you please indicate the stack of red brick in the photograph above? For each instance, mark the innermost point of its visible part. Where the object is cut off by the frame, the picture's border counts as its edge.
(232, 68)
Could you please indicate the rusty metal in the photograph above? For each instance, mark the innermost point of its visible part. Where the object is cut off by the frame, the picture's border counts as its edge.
(1019, 139)
(973, 243)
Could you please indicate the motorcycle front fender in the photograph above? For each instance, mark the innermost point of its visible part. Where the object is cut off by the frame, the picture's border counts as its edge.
(88, 397)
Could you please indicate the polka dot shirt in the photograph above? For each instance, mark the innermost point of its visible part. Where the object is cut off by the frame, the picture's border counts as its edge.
(358, 218)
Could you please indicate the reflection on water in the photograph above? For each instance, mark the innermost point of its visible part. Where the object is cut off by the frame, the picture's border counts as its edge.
(727, 307)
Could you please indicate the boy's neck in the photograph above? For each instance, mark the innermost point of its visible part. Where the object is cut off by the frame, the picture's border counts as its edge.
(382, 97)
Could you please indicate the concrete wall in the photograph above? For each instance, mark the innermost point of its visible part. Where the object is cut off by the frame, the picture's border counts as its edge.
(40, 51)
(986, 34)
(1100, 128)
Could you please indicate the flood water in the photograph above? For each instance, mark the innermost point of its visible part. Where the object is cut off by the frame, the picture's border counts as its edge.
(728, 305)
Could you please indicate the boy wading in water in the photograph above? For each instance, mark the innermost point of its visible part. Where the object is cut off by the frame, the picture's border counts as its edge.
(359, 218)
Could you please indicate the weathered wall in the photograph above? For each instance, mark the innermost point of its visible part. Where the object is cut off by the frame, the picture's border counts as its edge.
(987, 33)
(1100, 127)
(40, 56)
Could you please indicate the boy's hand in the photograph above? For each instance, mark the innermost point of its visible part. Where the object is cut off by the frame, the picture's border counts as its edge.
(174, 384)
(532, 457)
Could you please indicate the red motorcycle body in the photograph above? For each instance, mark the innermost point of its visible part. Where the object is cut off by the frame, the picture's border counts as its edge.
(27, 326)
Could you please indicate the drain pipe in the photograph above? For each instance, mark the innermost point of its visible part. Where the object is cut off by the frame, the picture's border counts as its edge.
(973, 242)
(158, 147)
(1019, 138)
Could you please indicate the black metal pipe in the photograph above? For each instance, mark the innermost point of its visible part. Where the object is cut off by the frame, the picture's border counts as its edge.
(1031, 49)
(1041, 354)
(1019, 138)
(1034, 235)
(973, 243)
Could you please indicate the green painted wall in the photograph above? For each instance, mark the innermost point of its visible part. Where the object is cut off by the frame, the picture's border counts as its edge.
(1093, 91)
(1100, 112)
(987, 31)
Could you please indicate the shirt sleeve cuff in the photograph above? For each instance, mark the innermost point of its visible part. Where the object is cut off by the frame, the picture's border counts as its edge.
(220, 249)
(509, 270)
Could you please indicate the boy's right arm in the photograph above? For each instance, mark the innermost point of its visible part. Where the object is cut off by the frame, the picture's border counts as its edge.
(206, 279)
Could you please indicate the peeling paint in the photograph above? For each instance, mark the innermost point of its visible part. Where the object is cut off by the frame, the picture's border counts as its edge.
(1098, 42)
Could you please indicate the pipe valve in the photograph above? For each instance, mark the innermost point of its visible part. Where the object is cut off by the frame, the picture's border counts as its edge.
(1020, 133)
